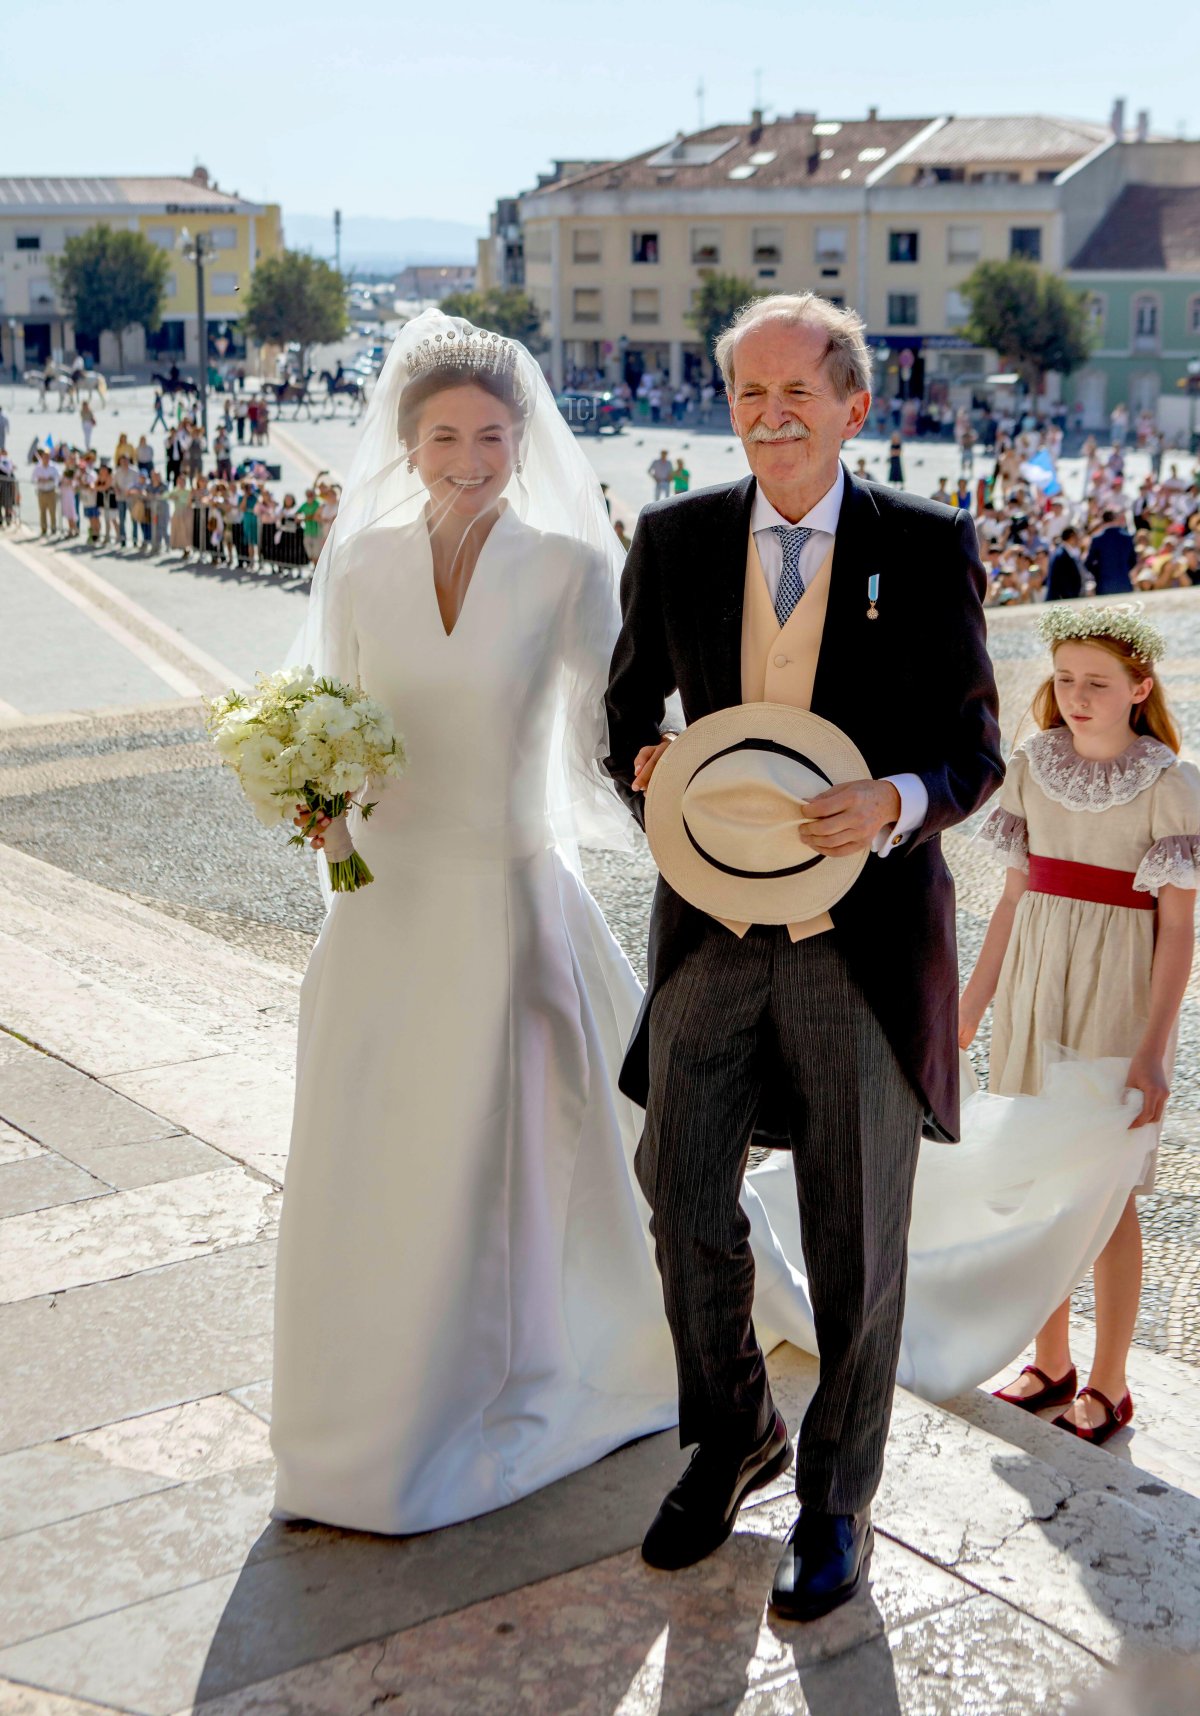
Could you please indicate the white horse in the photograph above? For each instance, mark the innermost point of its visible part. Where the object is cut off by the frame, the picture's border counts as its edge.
(66, 386)
(89, 381)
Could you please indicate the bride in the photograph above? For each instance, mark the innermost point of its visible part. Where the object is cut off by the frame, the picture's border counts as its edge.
(467, 1305)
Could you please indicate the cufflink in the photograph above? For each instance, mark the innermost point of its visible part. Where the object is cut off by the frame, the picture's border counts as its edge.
(897, 839)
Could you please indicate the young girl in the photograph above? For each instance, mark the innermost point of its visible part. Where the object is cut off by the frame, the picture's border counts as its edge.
(106, 500)
(66, 496)
(1091, 944)
(180, 497)
(89, 501)
(249, 524)
(268, 510)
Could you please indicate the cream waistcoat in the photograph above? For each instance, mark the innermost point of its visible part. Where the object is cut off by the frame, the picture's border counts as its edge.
(780, 666)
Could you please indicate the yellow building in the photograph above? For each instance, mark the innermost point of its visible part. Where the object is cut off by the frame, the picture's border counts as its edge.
(38, 215)
(886, 215)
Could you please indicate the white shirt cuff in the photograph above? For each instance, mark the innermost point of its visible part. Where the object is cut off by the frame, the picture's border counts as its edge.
(914, 807)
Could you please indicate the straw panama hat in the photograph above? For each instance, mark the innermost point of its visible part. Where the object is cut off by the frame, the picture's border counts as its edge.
(723, 813)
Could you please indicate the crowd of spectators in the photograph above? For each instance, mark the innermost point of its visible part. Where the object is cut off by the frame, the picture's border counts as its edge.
(1040, 544)
(209, 502)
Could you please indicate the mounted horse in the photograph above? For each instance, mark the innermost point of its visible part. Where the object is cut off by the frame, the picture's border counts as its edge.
(343, 386)
(293, 391)
(173, 383)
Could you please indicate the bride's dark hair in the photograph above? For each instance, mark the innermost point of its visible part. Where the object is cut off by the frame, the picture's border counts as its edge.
(418, 393)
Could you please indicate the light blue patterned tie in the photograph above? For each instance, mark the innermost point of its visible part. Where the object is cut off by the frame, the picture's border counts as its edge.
(791, 585)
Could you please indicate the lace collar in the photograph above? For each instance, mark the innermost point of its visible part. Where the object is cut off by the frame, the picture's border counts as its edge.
(1081, 783)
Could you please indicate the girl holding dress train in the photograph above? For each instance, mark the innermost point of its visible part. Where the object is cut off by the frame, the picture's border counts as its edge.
(1090, 946)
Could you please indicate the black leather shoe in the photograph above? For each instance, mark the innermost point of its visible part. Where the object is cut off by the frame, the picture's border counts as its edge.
(825, 1562)
(700, 1512)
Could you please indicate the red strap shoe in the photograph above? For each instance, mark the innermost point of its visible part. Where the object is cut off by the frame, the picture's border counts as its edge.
(1115, 1417)
(1051, 1393)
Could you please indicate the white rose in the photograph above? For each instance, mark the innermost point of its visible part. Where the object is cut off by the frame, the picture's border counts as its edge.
(314, 756)
(340, 722)
(346, 777)
(318, 712)
(269, 811)
(230, 738)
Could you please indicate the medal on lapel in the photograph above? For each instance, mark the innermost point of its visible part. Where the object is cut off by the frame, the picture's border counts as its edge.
(873, 596)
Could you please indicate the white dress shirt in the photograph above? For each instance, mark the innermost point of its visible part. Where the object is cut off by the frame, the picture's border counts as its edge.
(822, 520)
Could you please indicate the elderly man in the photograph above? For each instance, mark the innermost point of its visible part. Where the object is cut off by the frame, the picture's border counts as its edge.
(804, 585)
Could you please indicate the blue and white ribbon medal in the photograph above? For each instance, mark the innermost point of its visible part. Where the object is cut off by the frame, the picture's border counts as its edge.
(873, 596)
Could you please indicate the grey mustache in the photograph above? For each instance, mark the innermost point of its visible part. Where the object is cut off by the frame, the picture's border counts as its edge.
(790, 432)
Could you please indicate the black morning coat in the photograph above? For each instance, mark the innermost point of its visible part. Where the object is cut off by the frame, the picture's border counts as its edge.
(913, 688)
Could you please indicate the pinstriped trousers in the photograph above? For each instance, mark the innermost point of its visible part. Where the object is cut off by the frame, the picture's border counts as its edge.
(855, 1122)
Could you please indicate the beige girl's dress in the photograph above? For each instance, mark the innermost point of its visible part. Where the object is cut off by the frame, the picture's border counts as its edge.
(1006, 1223)
(1098, 840)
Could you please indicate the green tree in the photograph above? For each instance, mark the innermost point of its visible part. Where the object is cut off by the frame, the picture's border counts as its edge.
(501, 310)
(1034, 320)
(718, 299)
(110, 281)
(295, 296)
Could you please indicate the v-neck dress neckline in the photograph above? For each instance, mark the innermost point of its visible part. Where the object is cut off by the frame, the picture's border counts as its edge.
(432, 578)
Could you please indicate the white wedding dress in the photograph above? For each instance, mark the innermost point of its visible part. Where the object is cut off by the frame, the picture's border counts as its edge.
(1004, 1225)
(467, 1303)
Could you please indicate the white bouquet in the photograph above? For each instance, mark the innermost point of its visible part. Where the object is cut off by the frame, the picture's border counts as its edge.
(300, 739)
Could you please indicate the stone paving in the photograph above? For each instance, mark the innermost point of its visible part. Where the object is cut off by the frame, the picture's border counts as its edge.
(145, 1077)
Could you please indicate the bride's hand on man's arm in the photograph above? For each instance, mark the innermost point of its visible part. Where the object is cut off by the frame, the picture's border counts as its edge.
(646, 761)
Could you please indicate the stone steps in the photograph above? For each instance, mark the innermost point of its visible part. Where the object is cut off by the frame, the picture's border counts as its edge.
(1014, 1563)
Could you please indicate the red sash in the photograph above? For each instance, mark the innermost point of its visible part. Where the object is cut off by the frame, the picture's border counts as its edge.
(1087, 882)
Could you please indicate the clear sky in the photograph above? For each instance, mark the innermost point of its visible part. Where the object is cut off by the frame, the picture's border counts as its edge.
(396, 110)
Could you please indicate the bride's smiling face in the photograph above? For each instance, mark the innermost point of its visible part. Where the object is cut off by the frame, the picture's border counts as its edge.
(466, 449)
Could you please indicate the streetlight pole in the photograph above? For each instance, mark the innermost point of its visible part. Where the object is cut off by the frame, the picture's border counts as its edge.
(198, 250)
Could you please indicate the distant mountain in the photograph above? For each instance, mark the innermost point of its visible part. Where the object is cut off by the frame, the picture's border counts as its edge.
(382, 246)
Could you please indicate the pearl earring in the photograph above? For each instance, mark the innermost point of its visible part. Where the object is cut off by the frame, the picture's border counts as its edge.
(411, 466)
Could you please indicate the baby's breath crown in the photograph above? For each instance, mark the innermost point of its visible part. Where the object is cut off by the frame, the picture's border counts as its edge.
(473, 349)
(1122, 620)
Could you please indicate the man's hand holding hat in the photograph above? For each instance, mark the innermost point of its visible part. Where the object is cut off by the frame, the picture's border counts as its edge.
(728, 809)
(846, 819)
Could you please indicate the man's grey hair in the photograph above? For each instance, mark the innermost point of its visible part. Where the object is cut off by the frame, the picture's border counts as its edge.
(846, 353)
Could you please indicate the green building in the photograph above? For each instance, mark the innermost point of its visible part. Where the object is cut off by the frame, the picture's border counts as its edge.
(1141, 269)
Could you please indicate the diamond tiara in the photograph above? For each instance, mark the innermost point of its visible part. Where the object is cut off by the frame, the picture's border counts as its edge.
(454, 350)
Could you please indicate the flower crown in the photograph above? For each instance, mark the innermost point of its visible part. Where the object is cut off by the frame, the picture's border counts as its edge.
(472, 350)
(1121, 620)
